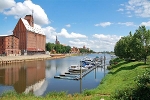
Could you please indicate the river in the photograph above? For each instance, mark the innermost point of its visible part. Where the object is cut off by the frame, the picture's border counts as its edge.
(37, 77)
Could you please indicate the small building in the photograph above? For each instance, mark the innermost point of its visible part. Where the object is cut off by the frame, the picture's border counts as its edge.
(9, 45)
(74, 50)
(32, 39)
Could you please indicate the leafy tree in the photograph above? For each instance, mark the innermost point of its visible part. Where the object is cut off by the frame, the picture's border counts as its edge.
(50, 46)
(142, 37)
(58, 48)
(134, 46)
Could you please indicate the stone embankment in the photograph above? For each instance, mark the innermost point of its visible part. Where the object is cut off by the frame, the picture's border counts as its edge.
(14, 59)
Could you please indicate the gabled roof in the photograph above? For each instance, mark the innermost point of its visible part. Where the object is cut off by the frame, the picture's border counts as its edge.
(8, 36)
(36, 28)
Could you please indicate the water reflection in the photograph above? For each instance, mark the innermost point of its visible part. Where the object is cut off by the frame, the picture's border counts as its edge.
(37, 77)
(24, 77)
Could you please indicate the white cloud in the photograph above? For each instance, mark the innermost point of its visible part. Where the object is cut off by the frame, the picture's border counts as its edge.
(121, 4)
(104, 24)
(68, 25)
(139, 7)
(99, 42)
(105, 42)
(77, 43)
(65, 33)
(145, 23)
(21, 9)
(120, 9)
(50, 33)
(127, 23)
(6, 4)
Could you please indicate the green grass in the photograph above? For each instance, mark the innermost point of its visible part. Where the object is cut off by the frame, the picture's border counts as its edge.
(121, 76)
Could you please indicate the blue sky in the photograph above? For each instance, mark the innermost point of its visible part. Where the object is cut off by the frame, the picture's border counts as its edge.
(97, 24)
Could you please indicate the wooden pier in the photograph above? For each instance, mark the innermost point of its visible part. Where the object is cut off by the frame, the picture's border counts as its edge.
(75, 76)
(79, 75)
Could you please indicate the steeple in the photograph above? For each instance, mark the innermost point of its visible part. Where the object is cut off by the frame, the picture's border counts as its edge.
(56, 37)
(56, 42)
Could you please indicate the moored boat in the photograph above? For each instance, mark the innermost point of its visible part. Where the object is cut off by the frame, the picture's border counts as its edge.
(77, 68)
(87, 64)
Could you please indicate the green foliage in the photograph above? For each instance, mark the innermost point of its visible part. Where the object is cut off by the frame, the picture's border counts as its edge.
(140, 92)
(134, 46)
(57, 94)
(83, 50)
(58, 48)
(125, 94)
(87, 92)
(113, 62)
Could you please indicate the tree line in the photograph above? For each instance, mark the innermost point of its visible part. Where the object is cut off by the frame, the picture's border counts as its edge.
(59, 48)
(134, 46)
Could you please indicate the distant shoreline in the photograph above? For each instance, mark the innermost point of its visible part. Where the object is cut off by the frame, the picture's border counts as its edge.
(14, 59)
(22, 58)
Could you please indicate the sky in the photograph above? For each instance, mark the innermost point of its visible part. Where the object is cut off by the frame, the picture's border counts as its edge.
(95, 24)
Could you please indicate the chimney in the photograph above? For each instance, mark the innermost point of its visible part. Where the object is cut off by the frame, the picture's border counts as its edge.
(30, 20)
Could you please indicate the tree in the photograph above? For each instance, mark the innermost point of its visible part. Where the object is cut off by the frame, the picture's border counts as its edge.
(134, 46)
(50, 46)
(58, 48)
(142, 37)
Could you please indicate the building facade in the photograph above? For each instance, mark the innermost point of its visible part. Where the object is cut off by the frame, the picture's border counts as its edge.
(31, 37)
(28, 38)
(74, 50)
(9, 45)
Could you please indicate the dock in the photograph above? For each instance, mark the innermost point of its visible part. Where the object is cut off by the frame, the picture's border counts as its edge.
(75, 76)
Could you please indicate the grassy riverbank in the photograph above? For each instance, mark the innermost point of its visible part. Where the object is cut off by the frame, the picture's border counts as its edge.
(121, 76)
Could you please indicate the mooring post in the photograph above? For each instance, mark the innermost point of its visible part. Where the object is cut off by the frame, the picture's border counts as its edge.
(104, 63)
(80, 70)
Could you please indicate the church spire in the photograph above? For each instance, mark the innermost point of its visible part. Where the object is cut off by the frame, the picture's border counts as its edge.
(56, 42)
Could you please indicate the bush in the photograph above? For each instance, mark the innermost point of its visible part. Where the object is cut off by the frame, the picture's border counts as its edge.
(140, 92)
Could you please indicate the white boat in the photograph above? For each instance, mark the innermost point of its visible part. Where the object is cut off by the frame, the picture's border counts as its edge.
(87, 64)
(77, 68)
(87, 59)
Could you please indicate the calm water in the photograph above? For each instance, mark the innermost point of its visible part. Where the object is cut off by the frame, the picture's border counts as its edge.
(38, 76)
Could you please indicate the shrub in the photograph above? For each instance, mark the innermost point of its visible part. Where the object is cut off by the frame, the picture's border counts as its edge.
(140, 92)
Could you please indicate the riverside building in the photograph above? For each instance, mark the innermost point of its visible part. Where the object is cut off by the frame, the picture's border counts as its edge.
(9, 45)
(31, 38)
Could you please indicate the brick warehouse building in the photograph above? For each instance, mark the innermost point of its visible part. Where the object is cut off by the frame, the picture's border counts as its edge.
(31, 37)
(28, 38)
(9, 45)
